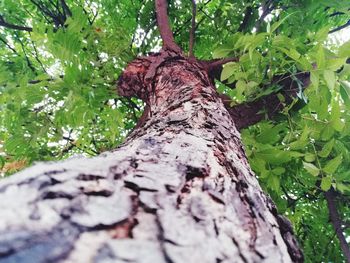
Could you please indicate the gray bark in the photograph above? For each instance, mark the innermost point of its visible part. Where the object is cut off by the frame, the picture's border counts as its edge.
(179, 189)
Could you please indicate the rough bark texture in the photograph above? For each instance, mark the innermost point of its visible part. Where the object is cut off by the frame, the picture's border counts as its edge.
(178, 190)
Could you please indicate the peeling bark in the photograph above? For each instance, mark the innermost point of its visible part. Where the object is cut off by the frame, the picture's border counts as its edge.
(179, 189)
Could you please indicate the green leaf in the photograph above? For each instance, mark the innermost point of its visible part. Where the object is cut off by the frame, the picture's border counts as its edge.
(343, 187)
(345, 92)
(315, 79)
(327, 132)
(326, 183)
(228, 70)
(320, 58)
(221, 52)
(312, 169)
(270, 134)
(327, 148)
(277, 24)
(335, 63)
(336, 122)
(279, 170)
(333, 165)
(344, 50)
(274, 182)
(310, 157)
(275, 156)
(329, 77)
(322, 34)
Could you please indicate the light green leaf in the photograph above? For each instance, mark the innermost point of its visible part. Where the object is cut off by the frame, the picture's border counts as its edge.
(335, 63)
(320, 59)
(278, 170)
(329, 77)
(277, 24)
(221, 52)
(345, 92)
(312, 169)
(344, 50)
(327, 148)
(228, 70)
(343, 187)
(333, 165)
(274, 182)
(310, 157)
(336, 121)
(315, 79)
(326, 183)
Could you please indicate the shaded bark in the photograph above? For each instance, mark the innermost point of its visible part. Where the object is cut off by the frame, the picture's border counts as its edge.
(178, 190)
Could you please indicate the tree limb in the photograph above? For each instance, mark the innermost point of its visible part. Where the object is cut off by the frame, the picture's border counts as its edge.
(337, 222)
(65, 8)
(5, 24)
(193, 28)
(164, 27)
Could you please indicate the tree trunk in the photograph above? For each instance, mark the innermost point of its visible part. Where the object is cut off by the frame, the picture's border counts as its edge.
(179, 189)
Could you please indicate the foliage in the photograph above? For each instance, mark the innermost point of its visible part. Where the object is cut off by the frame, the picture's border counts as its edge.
(57, 90)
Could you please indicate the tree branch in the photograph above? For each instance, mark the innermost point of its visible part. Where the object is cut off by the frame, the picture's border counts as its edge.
(5, 24)
(193, 28)
(65, 8)
(247, 15)
(340, 27)
(164, 27)
(337, 222)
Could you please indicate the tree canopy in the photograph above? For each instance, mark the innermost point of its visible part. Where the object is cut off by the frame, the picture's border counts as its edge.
(60, 61)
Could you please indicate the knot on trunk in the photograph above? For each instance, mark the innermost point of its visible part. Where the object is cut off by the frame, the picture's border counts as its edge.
(137, 78)
(132, 83)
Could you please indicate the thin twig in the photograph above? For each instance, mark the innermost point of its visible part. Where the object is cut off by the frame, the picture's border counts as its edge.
(37, 57)
(193, 28)
(25, 54)
(176, 32)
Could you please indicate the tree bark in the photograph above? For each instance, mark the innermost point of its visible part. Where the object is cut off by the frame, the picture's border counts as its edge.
(179, 189)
